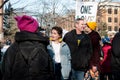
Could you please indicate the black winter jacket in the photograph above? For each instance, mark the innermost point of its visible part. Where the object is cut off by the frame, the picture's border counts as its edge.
(17, 64)
(116, 53)
(81, 53)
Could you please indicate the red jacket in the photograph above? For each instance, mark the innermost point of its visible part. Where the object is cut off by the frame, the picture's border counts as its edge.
(105, 63)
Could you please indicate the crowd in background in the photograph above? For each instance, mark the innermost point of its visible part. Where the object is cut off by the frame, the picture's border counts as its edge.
(81, 54)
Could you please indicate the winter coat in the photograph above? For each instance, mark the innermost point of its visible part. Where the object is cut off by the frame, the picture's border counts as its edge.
(80, 54)
(95, 39)
(106, 62)
(22, 62)
(115, 60)
(65, 58)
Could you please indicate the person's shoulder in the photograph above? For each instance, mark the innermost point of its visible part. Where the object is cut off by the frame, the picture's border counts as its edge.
(70, 32)
(11, 50)
(95, 33)
(85, 35)
(14, 46)
(117, 34)
(116, 37)
(64, 43)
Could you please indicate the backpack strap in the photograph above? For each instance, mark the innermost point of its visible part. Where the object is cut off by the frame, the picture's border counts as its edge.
(33, 54)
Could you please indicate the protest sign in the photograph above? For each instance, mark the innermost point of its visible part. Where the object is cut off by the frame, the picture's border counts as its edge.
(86, 10)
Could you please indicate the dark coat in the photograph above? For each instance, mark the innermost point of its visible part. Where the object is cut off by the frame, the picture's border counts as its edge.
(95, 39)
(116, 53)
(17, 67)
(80, 54)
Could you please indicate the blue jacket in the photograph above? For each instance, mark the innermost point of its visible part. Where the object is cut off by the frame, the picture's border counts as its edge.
(65, 58)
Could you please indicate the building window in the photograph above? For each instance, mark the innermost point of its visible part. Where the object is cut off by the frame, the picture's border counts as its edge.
(109, 28)
(109, 11)
(115, 11)
(116, 28)
(116, 20)
(109, 19)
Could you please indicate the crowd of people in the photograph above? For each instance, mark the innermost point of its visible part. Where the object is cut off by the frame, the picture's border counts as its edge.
(81, 54)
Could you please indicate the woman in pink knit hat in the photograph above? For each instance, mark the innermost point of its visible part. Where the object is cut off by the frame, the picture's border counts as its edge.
(27, 58)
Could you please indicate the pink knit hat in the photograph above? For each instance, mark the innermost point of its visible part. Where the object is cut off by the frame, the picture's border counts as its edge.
(26, 23)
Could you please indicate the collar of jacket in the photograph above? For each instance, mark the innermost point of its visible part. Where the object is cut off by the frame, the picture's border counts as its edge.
(61, 44)
(74, 32)
(24, 36)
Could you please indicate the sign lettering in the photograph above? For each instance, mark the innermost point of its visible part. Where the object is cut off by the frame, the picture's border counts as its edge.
(86, 10)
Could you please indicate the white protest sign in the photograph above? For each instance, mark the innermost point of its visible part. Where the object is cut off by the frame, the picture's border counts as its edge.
(86, 10)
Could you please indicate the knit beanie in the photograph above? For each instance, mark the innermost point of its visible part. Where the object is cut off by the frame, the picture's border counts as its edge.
(92, 25)
(106, 40)
(26, 23)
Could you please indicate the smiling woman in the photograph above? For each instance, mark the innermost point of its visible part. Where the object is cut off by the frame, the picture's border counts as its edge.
(60, 53)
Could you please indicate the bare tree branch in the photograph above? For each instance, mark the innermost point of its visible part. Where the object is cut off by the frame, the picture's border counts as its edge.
(15, 2)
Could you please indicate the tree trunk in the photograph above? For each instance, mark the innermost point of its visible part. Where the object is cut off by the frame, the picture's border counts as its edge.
(1, 21)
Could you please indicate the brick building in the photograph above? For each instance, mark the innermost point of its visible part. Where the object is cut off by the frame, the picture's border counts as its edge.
(110, 15)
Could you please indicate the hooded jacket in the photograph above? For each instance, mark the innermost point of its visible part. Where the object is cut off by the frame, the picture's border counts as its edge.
(16, 64)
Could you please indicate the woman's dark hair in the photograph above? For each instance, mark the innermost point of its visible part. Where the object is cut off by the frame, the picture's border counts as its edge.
(58, 29)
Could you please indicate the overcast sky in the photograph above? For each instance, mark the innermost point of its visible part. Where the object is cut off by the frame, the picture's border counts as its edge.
(22, 3)
(34, 5)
